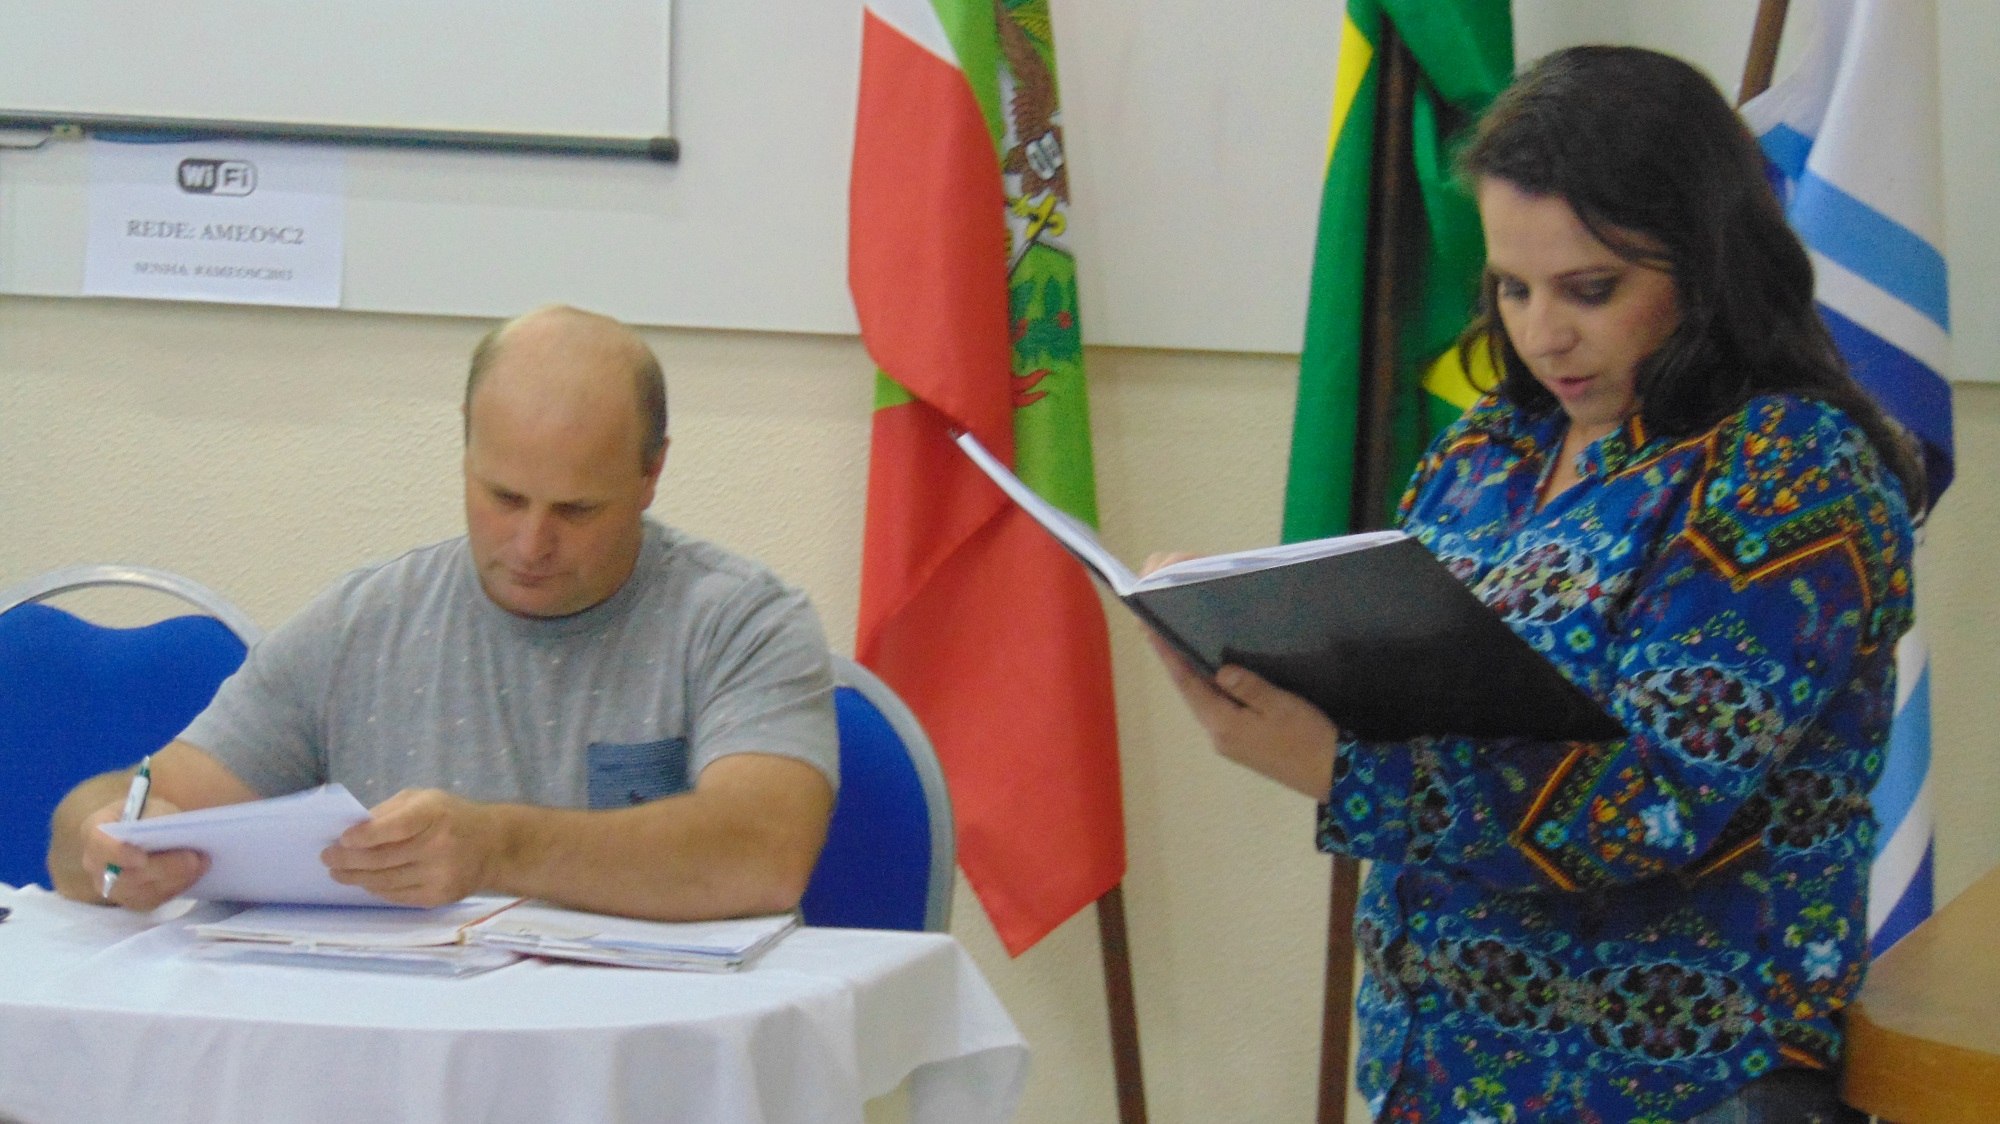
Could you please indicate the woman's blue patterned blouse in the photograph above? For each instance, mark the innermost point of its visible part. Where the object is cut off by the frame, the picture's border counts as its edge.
(1629, 930)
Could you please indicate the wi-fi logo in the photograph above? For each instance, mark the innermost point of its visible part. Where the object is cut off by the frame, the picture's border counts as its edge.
(198, 176)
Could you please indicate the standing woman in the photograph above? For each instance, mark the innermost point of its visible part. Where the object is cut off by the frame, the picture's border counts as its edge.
(1680, 497)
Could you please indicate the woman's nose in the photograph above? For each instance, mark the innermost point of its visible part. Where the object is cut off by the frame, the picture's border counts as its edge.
(1544, 329)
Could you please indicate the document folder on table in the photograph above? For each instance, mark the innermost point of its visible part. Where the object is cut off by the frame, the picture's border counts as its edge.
(1371, 628)
(537, 929)
(374, 938)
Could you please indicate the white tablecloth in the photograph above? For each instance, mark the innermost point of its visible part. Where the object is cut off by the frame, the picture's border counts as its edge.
(105, 1016)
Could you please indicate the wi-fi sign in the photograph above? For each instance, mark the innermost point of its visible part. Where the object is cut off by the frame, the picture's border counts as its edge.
(198, 176)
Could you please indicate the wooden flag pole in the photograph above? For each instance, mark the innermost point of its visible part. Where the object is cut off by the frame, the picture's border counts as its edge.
(1763, 58)
(1124, 1017)
(1337, 1009)
(1388, 215)
(1390, 211)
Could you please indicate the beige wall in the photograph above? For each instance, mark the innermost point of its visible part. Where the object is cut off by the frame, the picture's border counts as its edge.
(263, 452)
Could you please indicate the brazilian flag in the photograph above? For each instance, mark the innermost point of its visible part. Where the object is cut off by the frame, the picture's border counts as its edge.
(1464, 54)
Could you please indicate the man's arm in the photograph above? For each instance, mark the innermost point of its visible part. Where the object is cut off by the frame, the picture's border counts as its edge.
(185, 776)
(743, 841)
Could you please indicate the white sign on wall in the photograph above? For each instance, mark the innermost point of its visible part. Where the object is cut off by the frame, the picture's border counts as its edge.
(225, 221)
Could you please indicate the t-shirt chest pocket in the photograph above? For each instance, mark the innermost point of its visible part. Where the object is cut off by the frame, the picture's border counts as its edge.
(622, 775)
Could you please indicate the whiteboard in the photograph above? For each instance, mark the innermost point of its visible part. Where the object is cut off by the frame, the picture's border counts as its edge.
(596, 68)
(747, 231)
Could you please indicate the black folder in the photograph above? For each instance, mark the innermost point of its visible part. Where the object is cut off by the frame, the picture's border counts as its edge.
(1370, 628)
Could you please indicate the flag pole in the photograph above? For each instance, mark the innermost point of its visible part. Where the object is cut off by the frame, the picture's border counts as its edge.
(1337, 1010)
(1388, 215)
(1763, 57)
(1124, 1017)
(1388, 220)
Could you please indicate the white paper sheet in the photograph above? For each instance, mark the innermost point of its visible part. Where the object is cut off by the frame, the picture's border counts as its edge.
(262, 851)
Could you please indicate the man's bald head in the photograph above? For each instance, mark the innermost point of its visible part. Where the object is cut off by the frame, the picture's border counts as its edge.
(565, 433)
(562, 352)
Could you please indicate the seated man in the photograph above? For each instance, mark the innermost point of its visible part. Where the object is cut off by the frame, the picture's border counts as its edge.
(570, 702)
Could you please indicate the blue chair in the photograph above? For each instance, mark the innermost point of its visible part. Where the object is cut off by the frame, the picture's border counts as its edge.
(889, 850)
(78, 698)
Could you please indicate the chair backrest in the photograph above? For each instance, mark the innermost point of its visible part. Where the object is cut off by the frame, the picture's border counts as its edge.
(79, 698)
(889, 850)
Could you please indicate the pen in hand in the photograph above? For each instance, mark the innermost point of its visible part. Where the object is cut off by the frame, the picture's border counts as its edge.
(135, 802)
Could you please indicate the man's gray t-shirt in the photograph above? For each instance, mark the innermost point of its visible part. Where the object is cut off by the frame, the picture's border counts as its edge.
(406, 675)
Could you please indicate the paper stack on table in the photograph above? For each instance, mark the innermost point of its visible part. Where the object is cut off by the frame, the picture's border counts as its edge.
(478, 934)
(423, 941)
(263, 850)
(268, 851)
(563, 934)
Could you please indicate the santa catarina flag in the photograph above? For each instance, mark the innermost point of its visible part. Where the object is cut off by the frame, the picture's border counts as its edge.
(965, 288)
(1852, 137)
(1464, 51)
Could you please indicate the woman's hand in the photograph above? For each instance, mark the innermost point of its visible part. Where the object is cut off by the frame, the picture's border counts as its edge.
(1251, 722)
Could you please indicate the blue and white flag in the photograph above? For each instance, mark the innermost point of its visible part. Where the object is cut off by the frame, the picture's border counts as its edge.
(1852, 137)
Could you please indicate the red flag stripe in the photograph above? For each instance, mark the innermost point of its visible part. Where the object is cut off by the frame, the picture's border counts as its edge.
(989, 653)
(921, 511)
(928, 249)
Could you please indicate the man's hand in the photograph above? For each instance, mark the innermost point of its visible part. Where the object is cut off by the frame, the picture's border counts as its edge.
(420, 847)
(145, 880)
(185, 778)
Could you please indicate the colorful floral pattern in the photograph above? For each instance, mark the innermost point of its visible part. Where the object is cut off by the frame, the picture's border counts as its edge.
(1628, 930)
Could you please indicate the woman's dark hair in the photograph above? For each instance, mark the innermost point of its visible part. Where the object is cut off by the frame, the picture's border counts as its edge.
(1656, 164)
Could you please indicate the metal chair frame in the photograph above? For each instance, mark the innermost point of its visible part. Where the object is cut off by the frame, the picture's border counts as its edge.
(72, 578)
